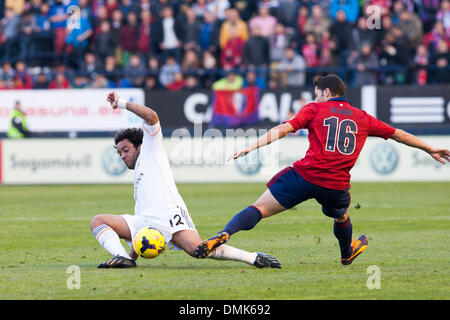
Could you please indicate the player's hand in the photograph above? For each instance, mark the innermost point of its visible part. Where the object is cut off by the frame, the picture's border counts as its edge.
(440, 155)
(238, 154)
(113, 99)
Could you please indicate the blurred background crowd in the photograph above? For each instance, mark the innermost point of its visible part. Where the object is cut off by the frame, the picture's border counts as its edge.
(191, 44)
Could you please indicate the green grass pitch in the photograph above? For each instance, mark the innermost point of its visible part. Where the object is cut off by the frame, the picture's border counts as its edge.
(45, 229)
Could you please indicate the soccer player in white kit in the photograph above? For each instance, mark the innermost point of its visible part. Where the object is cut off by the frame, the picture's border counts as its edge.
(158, 202)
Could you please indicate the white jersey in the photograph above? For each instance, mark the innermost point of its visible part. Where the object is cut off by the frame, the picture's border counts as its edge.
(155, 191)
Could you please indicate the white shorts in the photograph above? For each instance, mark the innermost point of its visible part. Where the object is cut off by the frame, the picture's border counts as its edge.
(167, 224)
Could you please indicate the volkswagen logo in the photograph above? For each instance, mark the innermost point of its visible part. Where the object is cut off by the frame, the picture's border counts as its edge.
(249, 164)
(112, 163)
(384, 158)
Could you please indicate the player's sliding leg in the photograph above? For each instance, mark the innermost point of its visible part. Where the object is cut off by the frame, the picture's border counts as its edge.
(189, 240)
(247, 219)
(257, 259)
(107, 230)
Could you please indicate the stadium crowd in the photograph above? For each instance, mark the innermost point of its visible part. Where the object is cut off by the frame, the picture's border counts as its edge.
(187, 44)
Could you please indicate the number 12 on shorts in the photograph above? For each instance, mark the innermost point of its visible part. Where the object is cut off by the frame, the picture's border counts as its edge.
(182, 218)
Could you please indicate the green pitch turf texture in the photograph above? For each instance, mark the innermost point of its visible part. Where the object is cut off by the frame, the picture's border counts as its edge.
(45, 229)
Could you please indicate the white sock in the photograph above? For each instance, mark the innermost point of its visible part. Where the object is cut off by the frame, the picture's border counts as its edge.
(225, 252)
(109, 240)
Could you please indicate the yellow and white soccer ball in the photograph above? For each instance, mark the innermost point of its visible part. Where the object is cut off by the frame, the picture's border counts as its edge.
(148, 243)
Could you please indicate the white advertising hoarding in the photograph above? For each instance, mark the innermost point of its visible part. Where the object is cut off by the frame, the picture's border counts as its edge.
(59, 161)
(69, 109)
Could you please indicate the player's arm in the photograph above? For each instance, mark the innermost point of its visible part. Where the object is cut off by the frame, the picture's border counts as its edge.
(412, 141)
(270, 136)
(147, 114)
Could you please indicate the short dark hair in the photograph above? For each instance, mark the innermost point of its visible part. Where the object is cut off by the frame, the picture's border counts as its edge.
(134, 135)
(333, 83)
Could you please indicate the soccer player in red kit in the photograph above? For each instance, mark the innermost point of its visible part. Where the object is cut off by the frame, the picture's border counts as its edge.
(337, 133)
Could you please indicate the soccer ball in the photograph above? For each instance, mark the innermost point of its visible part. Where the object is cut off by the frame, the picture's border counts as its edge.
(148, 243)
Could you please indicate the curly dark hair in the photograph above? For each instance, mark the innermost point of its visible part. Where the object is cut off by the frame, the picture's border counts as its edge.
(134, 135)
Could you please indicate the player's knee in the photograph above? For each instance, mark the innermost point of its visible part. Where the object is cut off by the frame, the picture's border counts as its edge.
(97, 221)
(343, 218)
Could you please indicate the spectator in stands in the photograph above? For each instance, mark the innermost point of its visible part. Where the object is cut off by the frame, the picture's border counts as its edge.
(200, 9)
(287, 13)
(23, 75)
(60, 81)
(151, 83)
(394, 51)
(26, 43)
(10, 31)
(127, 6)
(233, 21)
(412, 28)
(57, 17)
(90, 64)
(116, 25)
(438, 33)
(77, 39)
(310, 51)
(231, 81)
(253, 80)
(79, 81)
(361, 34)
(168, 34)
(365, 64)
(317, 23)
(256, 51)
(264, 21)
(128, 35)
(209, 32)
(43, 34)
(341, 30)
(41, 81)
(302, 18)
(209, 64)
(7, 72)
(231, 54)
(153, 66)
(191, 83)
(110, 6)
(168, 70)
(421, 61)
(292, 69)
(386, 27)
(144, 40)
(191, 62)
(191, 26)
(349, 7)
(327, 48)
(219, 8)
(441, 59)
(278, 42)
(99, 81)
(135, 71)
(443, 15)
(105, 44)
(112, 71)
(178, 82)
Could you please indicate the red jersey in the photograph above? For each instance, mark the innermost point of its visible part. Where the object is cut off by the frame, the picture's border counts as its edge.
(337, 133)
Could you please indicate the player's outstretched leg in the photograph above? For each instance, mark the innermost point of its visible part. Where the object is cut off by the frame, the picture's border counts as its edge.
(256, 259)
(266, 261)
(108, 229)
(358, 246)
(118, 262)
